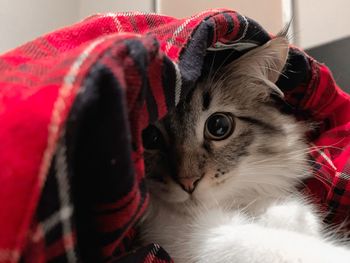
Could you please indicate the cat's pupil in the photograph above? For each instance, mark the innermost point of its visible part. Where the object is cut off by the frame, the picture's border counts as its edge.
(219, 126)
(152, 138)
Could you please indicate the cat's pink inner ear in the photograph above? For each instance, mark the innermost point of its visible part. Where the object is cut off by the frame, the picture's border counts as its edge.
(276, 55)
(265, 62)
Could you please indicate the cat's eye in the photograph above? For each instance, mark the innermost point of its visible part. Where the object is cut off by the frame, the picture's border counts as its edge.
(219, 126)
(152, 138)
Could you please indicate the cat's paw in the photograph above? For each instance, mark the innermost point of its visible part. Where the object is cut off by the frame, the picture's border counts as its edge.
(294, 216)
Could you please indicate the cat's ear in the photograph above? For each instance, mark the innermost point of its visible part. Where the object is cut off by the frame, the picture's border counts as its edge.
(274, 54)
(264, 63)
(268, 59)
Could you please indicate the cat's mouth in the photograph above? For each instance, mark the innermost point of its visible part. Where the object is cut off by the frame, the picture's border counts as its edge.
(189, 184)
(183, 191)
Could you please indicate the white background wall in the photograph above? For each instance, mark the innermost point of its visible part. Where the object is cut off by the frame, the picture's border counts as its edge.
(316, 21)
(321, 21)
(88, 7)
(269, 15)
(22, 20)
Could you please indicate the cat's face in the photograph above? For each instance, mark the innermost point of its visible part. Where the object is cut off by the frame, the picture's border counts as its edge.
(227, 139)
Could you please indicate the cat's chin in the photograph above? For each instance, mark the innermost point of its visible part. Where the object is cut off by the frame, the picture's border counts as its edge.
(173, 196)
(186, 204)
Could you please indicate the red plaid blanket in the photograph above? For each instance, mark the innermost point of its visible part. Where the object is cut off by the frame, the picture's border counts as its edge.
(73, 104)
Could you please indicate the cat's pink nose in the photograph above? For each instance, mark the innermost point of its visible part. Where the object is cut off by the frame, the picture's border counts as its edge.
(189, 183)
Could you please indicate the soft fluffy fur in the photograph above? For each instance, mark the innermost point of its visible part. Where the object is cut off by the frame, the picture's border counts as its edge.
(245, 207)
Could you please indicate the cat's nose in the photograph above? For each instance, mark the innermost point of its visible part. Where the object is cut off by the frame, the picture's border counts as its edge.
(189, 183)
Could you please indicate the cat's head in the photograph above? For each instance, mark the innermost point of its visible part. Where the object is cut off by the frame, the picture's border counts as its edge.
(228, 139)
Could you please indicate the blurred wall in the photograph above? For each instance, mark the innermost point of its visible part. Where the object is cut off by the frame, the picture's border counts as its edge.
(88, 7)
(23, 20)
(320, 21)
(272, 15)
(315, 21)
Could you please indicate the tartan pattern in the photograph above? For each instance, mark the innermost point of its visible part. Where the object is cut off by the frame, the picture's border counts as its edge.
(74, 102)
(53, 229)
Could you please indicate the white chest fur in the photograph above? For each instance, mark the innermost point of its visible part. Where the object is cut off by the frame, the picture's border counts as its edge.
(287, 231)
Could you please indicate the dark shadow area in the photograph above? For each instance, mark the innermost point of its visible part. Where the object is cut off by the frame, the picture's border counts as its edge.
(336, 56)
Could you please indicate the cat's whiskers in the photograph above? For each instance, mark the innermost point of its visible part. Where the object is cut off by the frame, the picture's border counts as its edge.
(297, 153)
(307, 160)
(302, 170)
(267, 193)
(337, 234)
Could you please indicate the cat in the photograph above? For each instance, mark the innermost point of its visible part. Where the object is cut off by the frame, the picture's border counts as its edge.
(223, 171)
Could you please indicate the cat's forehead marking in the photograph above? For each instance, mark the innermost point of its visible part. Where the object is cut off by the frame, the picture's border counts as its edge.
(206, 99)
